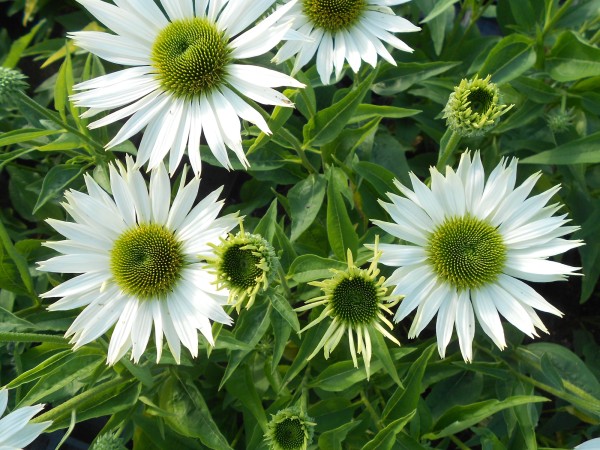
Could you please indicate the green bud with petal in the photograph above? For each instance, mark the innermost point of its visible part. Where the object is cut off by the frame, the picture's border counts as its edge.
(290, 429)
(474, 107)
(245, 264)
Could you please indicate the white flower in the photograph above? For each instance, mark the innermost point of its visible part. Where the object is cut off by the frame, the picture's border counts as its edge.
(183, 80)
(15, 431)
(339, 30)
(470, 241)
(593, 444)
(139, 265)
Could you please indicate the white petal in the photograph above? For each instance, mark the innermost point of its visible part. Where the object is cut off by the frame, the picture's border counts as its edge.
(445, 323)
(488, 317)
(465, 325)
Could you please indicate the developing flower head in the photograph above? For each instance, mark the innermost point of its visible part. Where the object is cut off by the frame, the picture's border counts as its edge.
(560, 121)
(474, 107)
(11, 81)
(356, 301)
(108, 441)
(290, 429)
(243, 263)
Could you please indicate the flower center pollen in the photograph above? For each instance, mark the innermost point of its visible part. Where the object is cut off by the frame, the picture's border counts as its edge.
(190, 56)
(467, 252)
(146, 261)
(240, 266)
(333, 15)
(289, 434)
(354, 300)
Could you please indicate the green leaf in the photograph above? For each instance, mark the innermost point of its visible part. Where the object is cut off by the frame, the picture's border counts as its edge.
(339, 376)
(9, 322)
(191, 418)
(151, 436)
(18, 47)
(572, 59)
(536, 90)
(283, 307)
(459, 418)
(405, 399)
(56, 181)
(378, 176)
(385, 439)
(266, 226)
(340, 230)
(74, 369)
(25, 135)
(440, 7)
(381, 350)
(367, 111)
(306, 199)
(46, 366)
(583, 150)
(399, 78)
(509, 59)
(111, 398)
(309, 343)
(7, 275)
(332, 439)
(250, 328)
(328, 123)
(64, 87)
(307, 268)
(281, 336)
(242, 387)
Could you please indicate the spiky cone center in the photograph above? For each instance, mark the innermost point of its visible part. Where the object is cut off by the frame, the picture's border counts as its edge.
(290, 429)
(146, 261)
(467, 252)
(333, 15)
(474, 107)
(11, 81)
(190, 57)
(244, 264)
(108, 441)
(357, 301)
(560, 121)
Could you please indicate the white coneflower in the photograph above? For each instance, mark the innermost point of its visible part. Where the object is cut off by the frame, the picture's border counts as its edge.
(352, 30)
(184, 79)
(137, 256)
(356, 299)
(15, 430)
(470, 241)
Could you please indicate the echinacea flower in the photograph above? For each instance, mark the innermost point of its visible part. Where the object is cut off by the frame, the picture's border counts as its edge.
(15, 430)
(184, 79)
(244, 264)
(474, 107)
(137, 256)
(352, 30)
(356, 300)
(290, 429)
(470, 240)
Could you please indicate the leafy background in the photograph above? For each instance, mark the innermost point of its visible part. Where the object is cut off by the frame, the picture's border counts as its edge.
(311, 190)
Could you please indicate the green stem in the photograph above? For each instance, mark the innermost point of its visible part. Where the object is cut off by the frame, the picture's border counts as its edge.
(283, 281)
(32, 337)
(448, 144)
(291, 139)
(458, 443)
(371, 411)
(24, 98)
